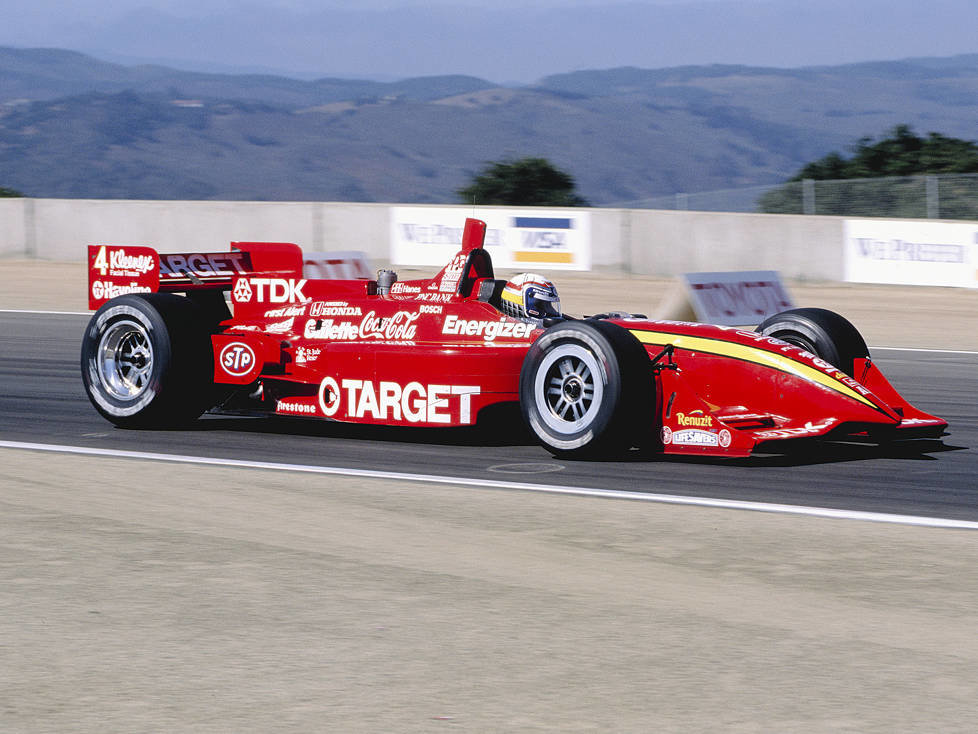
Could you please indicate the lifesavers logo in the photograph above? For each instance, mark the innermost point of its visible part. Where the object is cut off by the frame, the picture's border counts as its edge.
(237, 359)
(390, 401)
(696, 437)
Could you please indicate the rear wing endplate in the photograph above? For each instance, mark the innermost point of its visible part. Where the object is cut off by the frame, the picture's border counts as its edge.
(114, 270)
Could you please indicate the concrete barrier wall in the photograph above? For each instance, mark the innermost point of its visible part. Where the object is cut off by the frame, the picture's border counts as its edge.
(674, 242)
(642, 242)
(63, 228)
(13, 228)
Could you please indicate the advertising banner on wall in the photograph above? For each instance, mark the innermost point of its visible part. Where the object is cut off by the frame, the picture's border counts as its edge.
(911, 252)
(736, 298)
(544, 239)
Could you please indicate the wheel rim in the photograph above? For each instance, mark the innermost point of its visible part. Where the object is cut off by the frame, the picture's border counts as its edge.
(125, 359)
(797, 340)
(568, 389)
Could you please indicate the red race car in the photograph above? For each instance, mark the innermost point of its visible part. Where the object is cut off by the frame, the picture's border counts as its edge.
(441, 351)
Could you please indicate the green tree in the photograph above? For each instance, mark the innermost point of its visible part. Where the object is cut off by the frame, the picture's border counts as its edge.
(8, 193)
(902, 155)
(522, 182)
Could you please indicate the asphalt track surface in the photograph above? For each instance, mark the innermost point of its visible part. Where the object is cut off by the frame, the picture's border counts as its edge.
(42, 401)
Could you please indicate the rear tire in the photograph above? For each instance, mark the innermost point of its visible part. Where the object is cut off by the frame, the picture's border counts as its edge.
(147, 361)
(586, 389)
(824, 333)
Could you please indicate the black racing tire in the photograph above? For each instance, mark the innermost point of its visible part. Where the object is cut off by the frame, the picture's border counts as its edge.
(586, 390)
(147, 361)
(824, 333)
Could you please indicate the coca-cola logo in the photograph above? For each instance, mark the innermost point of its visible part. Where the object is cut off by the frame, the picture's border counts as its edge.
(401, 326)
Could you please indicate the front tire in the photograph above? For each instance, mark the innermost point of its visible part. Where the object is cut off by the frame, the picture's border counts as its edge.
(586, 388)
(147, 362)
(824, 333)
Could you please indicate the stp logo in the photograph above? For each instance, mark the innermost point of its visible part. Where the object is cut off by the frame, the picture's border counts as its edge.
(269, 290)
(237, 359)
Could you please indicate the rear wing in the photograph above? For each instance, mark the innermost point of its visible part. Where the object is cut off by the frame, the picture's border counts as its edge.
(114, 270)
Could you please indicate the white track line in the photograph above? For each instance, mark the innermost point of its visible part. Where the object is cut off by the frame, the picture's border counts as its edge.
(823, 512)
(917, 349)
(47, 313)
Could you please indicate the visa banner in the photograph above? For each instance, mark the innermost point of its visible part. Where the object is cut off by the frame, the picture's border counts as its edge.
(523, 239)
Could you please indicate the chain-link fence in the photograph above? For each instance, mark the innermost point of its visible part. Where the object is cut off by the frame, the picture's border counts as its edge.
(945, 196)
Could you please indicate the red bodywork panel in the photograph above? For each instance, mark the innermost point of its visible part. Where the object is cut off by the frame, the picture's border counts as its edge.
(437, 352)
(734, 390)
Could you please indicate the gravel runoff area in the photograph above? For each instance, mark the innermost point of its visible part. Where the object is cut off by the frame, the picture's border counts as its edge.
(149, 597)
(887, 315)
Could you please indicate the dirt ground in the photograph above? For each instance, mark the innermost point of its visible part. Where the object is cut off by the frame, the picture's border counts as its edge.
(149, 597)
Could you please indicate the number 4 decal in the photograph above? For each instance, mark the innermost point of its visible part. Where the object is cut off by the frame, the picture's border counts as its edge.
(101, 261)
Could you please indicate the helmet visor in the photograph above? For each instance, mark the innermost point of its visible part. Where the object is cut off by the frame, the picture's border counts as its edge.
(542, 304)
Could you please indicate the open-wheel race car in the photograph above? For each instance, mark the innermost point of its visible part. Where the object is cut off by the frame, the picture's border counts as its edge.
(164, 346)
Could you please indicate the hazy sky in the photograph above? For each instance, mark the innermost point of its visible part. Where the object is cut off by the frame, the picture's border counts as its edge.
(500, 40)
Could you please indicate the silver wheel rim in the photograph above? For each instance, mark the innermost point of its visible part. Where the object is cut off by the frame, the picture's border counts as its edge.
(125, 359)
(568, 389)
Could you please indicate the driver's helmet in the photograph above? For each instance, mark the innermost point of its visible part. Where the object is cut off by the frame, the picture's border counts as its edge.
(530, 296)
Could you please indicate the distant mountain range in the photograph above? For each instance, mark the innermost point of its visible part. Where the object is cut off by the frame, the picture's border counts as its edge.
(75, 126)
(501, 40)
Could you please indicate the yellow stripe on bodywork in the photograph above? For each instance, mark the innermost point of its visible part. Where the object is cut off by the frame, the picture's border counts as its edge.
(750, 354)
